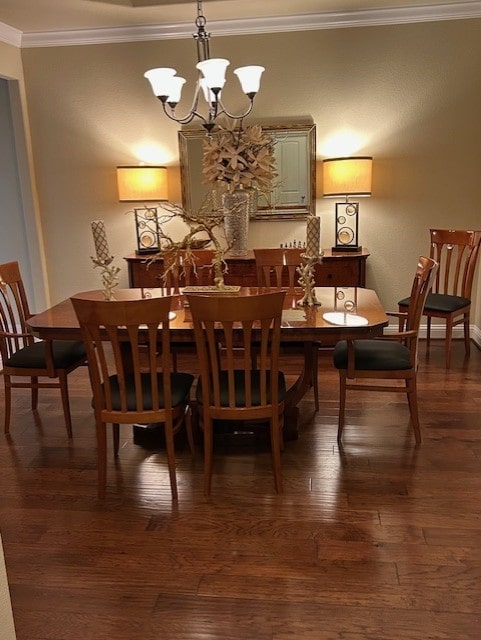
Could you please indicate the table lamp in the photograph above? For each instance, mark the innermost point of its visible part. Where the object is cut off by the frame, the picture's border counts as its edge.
(144, 184)
(345, 177)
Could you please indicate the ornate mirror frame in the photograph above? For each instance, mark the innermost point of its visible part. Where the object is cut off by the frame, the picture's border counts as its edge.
(294, 193)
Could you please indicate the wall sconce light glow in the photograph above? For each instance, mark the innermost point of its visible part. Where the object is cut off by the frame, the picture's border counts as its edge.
(153, 154)
(343, 143)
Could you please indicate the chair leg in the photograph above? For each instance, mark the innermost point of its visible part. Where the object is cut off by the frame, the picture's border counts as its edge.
(342, 404)
(428, 333)
(34, 392)
(467, 340)
(8, 403)
(315, 376)
(101, 459)
(447, 343)
(190, 431)
(169, 442)
(208, 451)
(116, 439)
(411, 389)
(62, 378)
(276, 452)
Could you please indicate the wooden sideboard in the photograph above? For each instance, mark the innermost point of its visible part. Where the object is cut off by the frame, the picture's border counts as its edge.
(336, 270)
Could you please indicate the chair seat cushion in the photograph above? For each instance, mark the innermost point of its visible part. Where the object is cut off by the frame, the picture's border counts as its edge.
(441, 302)
(65, 354)
(239, 381)
(374, 355)
(180, 384)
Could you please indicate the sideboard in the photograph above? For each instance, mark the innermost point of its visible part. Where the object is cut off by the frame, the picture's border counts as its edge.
(336, 270)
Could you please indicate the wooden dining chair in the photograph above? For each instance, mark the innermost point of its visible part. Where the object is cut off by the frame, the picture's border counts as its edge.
(126, 342)
(229, 388)
(25, 357)
(389, 359)
(278, 268)
(457, 252)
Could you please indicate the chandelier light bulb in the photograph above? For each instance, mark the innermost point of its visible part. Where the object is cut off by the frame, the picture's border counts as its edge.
(213, 71)
(159, 80)
(250, 78)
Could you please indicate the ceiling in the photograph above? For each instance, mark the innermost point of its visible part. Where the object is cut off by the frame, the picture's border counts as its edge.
(29, 17)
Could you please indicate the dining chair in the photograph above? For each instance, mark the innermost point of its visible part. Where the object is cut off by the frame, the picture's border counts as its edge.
(277, 267)
(183, 269)
(25, 357)
(131, 375)
(391, 358)
(457, 252)
(229, 388)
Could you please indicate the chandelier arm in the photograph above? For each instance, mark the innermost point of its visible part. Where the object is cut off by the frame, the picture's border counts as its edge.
(223, 110)
(191, 114)
(186, 119)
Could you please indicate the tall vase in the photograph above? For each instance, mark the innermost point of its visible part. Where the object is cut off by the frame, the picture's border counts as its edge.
(236, 205)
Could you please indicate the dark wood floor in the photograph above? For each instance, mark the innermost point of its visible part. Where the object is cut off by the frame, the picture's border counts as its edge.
(381, 540)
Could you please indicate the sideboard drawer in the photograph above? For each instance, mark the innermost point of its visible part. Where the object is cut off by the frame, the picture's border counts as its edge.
(338, 274)
(142, 274)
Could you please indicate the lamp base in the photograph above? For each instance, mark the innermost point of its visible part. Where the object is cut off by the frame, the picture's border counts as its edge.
(143, 252)
(346, 248)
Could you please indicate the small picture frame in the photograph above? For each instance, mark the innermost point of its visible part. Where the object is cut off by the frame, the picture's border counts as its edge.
(347, 227)
(147, 230)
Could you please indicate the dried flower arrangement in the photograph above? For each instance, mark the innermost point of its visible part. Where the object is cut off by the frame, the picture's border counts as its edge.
(202, 222)
(240, 158)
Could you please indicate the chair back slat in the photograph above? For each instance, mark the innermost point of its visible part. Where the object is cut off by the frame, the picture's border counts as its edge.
(277, 267)
(456, 251)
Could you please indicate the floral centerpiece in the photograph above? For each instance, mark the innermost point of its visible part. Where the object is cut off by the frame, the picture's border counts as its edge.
(239, 163)
(240, 158)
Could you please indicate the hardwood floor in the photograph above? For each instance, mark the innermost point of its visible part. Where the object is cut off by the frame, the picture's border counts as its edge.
(378, 541)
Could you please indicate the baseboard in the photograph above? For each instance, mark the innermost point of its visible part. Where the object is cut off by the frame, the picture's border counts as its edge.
(438, 331)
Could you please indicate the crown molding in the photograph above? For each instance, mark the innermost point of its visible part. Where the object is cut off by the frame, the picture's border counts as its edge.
(9, 35)
(307, 22)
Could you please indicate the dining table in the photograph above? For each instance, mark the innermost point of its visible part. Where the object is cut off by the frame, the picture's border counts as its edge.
(340, 313)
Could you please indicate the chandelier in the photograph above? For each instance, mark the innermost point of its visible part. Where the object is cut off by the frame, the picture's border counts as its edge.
(167, 85)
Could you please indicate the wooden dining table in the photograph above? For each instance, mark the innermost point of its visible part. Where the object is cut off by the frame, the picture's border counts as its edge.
(340, 313)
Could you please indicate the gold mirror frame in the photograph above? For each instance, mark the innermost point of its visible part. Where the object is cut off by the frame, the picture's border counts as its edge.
(296, 142)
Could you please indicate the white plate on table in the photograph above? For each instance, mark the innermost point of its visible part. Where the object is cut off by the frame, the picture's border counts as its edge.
(343, 319)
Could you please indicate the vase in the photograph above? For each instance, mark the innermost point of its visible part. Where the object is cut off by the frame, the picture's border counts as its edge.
(236, 205)
(253, 201)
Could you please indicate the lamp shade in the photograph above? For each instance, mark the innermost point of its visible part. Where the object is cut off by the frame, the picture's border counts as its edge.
(142, 184)
(347, 176)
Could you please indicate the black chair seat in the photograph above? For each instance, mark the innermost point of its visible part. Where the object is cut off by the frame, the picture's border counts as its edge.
(180, 384)
(240, 390)
(440, 302)
(374, 355)
(65, 354)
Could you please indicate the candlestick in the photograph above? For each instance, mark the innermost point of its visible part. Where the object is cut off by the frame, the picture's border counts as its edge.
(313, 236)
(104, 260)
(100, 241)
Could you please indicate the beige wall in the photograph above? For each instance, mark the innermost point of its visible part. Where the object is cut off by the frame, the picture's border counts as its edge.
(411, 93)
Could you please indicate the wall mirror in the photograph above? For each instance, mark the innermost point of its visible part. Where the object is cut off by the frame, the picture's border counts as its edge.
(294, 193)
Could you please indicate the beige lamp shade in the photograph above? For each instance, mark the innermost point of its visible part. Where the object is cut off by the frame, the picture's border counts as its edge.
(347, 176)
(142, 184)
